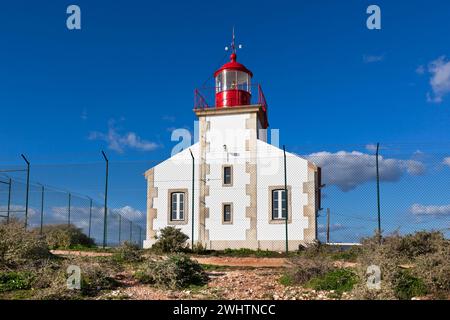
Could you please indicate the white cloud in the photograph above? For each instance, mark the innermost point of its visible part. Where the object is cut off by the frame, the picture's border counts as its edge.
(371, 147)
(430, 210)
(347, 170)
(440, 79)
(420, 70)
(129, 213)
(446, 161)
(373, 58)
(119, 142)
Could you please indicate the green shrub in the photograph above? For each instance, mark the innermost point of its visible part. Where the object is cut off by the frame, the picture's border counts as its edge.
(426, 255)
(20, 248)
(304, 269)
(407, 286)
(175, 272)
(127, 252)
(10, 281)
(339, 280)
(65, 236)
(170, 240)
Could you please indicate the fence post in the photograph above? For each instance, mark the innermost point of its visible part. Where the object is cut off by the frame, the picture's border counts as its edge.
(68, 216)
(42, 208)
(287, 200)
(140, 236)
(9, 200)
(328, 225)
(193, 199)
(120, 227)
(106, 200)
(28, 190)
(131, 231)
(378, 196)
(90, 217)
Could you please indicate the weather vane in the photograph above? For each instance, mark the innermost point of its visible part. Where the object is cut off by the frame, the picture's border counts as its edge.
(233, 46)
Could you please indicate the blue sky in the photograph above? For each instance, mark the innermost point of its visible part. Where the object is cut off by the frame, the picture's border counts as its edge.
(331, 84)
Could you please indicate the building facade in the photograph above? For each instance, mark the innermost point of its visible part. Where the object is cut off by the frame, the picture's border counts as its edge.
(235, 195)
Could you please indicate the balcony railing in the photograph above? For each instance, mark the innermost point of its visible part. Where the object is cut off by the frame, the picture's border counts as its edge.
(204, 98)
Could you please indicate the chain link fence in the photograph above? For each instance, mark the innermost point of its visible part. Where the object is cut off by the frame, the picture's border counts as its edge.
(50, 206)
(414, 194)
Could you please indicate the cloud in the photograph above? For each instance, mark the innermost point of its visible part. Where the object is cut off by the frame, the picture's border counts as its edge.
(446, 161)
(420, 70)
(373, 58)
(440, 79)
(371, 147)
(129, 212)
(347, 170)
(119, 142)
(430, 210)
(84, 115)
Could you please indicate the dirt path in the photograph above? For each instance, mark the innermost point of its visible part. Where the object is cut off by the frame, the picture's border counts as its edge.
(217, 261)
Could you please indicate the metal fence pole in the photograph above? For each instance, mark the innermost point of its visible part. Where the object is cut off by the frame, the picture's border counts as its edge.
(120, 227)
(378, 196)
(286, 196)
(68, 216)
(105, 215)
(42, 209)
(9, 201)
(90, 217)
(131, 231)
(193, 199)
(28, 190)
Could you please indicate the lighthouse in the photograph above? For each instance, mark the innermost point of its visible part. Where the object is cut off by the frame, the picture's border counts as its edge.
(235, 196)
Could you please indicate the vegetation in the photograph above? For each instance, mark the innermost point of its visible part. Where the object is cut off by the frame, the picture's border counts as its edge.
(411, 265)
(170, 240)
(175, 272)
(338, 280)
(127, 253)
(63, 236)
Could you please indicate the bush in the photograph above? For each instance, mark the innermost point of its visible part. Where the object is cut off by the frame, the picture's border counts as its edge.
(65, 236)
(170, 240)
(407, 286)
(305, 269)
(339, 280)
(94, 278)
(10, 281)
(426, 256)
(20, 248)
(127, 252)
(176, 272)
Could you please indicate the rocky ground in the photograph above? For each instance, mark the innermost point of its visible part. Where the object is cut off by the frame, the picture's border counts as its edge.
(236, 284)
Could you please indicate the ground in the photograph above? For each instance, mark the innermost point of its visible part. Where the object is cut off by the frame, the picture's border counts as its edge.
(231, 278)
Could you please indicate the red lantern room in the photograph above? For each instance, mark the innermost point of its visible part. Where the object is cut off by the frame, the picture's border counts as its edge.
(233, 83)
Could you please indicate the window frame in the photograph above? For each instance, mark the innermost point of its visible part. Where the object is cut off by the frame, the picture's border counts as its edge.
(185, 208)
(279, 220)
(231, 175)
(223, 212)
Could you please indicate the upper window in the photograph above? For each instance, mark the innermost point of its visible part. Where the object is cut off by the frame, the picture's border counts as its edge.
(278, 204)
(227, 175)
(232, 80)
(177, 206)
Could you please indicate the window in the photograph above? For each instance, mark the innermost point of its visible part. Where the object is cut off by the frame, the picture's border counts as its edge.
(227, 213)
(227, 176)
(177, 206)
(278, 204)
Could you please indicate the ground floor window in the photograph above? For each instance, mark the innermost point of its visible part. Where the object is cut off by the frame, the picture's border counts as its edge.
(177, 206)
(279, 204)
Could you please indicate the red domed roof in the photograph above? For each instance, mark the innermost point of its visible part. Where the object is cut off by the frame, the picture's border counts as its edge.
(233, 65)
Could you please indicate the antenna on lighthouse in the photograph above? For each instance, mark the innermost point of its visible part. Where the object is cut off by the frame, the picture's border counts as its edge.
(233, 46)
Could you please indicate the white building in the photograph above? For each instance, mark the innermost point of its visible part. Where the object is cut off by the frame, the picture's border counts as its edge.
(239, 186)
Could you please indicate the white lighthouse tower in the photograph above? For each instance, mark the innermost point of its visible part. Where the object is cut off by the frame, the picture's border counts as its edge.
(240, 198)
